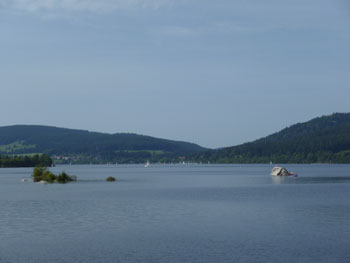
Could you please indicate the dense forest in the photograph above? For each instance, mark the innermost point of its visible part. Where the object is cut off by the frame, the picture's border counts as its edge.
(79, 146)
(25, 161)
(322, 140)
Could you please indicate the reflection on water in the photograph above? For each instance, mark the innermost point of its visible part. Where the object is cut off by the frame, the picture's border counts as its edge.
(309, 180)
(202, 213)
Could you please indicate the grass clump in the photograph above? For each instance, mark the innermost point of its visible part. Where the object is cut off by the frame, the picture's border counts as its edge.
(43, 174)
(110, 179)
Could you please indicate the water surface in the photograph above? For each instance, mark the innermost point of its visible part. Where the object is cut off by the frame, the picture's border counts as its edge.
(177, 213)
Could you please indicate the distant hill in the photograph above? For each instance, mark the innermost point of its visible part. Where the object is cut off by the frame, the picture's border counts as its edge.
(84, 146)
(322, 140)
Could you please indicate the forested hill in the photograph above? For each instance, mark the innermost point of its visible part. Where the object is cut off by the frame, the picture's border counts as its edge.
(90, 146)
(323, 140)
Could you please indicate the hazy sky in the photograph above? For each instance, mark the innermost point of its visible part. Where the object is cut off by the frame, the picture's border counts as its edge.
(217, 73)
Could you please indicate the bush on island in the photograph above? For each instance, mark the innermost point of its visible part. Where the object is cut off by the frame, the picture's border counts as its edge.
(64, 178)
(110, 179)
(43, 174)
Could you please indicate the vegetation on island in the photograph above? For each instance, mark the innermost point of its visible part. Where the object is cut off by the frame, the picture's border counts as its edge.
(25, 160)
(110, 179)
(43, 174)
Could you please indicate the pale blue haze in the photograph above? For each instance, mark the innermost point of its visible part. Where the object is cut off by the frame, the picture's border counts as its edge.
(217, 73)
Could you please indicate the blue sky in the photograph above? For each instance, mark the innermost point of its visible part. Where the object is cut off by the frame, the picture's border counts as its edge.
(217, 73)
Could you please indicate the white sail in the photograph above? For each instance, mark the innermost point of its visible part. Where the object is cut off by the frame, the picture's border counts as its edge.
(147, 164)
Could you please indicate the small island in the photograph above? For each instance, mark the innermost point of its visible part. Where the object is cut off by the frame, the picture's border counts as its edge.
(42, 174)
(110, 179)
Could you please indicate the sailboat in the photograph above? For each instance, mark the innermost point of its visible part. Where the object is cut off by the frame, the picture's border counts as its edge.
(147, 164)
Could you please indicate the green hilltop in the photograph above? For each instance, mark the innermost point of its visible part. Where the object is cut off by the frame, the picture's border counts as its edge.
(81, 146)
(324, 139)
(321, 140)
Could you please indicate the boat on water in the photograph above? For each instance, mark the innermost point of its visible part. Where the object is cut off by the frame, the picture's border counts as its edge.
(280, 171)
(147, 164)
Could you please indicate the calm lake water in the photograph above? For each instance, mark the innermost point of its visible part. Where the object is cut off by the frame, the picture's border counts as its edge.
(179, 213)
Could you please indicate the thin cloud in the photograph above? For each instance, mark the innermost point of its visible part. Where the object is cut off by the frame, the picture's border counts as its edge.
(80, 5)
(207, 29)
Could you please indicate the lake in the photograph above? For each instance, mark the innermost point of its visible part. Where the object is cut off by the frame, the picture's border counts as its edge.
(177, 213)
